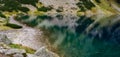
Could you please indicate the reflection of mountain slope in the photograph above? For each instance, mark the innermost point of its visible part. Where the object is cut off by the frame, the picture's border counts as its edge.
(75, 41)
(96, 33)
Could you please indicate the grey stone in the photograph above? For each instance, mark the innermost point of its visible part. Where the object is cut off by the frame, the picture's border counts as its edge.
(3, 50)
(14, 51)
(4, 39)
(31, 55)
(18, 55)
(44, 52)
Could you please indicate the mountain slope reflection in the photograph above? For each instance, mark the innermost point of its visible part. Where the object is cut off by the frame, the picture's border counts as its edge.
(70, 37)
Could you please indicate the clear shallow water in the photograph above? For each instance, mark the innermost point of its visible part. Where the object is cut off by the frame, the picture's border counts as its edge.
(68, 34)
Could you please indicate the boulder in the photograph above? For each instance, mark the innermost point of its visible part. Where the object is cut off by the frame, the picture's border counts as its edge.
(2, 50)
(4, 39)
(31, 55)
(44, 52)
(14, 51)
(18, 55)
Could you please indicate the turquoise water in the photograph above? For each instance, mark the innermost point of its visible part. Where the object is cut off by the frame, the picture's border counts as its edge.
(72, 40)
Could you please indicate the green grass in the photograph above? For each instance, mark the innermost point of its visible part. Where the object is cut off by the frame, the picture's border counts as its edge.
(18, 46)
(4, 28)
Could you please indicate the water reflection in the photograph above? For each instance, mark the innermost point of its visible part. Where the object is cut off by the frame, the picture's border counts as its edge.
(68, 34)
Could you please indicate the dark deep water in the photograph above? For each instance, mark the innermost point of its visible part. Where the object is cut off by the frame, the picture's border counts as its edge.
(72, 40)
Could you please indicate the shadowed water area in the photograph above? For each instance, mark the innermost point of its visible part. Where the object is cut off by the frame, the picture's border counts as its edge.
(72, 38)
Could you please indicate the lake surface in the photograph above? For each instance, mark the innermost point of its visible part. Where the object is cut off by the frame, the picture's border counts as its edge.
(73, 36)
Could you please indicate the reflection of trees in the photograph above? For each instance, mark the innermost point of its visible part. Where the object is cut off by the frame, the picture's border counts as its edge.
(26, 19)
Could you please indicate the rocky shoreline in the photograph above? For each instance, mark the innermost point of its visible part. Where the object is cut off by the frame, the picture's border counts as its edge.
(31, 38)
(25, 37)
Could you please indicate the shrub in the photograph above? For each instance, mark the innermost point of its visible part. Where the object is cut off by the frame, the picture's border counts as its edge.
(60, 9)
(45, 9)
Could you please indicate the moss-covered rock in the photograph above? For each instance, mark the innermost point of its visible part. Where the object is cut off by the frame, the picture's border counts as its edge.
(18, 46)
